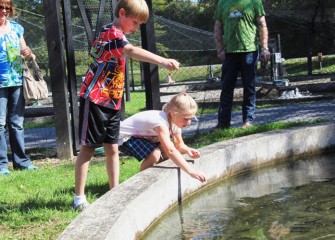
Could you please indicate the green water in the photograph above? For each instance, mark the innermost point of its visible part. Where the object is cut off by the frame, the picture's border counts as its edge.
(292, 200)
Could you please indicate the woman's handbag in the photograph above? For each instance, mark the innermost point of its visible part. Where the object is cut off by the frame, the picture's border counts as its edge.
(34, 86)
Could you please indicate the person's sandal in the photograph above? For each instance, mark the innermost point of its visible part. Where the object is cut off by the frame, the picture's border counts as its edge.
(247, 125)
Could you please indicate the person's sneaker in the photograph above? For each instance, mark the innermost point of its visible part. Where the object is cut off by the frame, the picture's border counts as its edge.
(4, 171)
(247, 125)
(81, 207)
(220, 127)
(30, 167)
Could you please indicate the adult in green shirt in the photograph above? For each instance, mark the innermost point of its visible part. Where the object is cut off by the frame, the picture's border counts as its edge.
(239, 29)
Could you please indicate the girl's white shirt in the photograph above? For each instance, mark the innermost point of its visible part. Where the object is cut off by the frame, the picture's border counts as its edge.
(142, 124)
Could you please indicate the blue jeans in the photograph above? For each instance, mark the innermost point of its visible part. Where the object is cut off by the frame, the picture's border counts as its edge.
(246, 63)
(12, 106)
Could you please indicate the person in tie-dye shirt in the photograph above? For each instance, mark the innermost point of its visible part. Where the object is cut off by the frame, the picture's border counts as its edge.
(12, 104)
(102, 90)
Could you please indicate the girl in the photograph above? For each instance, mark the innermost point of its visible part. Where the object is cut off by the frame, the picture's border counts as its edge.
(155, 135)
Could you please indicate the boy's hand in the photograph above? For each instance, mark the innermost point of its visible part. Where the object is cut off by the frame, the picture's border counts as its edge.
(193, 153)
(171, 64)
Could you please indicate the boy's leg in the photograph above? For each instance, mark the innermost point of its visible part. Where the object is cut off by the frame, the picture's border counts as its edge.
(81, 169)
(112, 164)
(152, 159)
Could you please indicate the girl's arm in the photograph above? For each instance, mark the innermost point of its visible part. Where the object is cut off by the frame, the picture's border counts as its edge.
(183, 148)
(172, 153)
(146, 56)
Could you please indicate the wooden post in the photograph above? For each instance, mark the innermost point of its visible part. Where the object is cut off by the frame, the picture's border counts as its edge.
(309, 49)
(58, 78)
(151, 76)
(71, 72)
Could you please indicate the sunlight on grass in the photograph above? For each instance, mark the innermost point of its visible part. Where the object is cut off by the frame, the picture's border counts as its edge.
(30, 125)
(37, 205)
(205, 139)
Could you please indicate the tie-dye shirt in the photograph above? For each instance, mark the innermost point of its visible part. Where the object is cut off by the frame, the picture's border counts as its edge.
(104, 80)
(10, 57)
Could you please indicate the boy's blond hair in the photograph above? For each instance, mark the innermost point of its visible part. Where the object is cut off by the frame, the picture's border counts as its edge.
(137, 9)
(181, 103)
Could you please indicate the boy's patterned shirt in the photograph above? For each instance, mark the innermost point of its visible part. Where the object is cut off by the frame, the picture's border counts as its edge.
(104, 80)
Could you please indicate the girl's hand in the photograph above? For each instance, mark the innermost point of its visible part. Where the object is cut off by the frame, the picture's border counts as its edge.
(198, 175)
(193, 153)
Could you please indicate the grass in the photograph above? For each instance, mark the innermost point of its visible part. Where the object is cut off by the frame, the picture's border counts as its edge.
(37, 205)
(205, 139)
(30, 125)
(136, 103)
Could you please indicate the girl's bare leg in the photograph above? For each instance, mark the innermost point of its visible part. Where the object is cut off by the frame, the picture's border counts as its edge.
(152, 159)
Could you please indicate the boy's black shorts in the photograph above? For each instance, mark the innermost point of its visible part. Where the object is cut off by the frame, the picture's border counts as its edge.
(98, 124)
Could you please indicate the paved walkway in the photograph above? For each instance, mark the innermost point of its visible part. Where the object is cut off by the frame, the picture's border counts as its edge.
(299, 112)
(46, 137)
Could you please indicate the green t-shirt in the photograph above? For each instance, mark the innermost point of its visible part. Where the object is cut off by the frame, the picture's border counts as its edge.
(240, 27)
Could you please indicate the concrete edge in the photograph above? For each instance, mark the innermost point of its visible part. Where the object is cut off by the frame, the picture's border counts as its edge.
(126, 211)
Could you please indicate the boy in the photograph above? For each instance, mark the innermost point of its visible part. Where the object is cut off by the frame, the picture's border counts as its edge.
(102, 91)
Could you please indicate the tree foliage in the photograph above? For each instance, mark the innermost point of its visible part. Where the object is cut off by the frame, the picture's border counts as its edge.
(194, 14)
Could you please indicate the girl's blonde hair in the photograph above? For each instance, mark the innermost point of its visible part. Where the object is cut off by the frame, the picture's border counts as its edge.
(9, 4)
(137, 9)
(182, 103)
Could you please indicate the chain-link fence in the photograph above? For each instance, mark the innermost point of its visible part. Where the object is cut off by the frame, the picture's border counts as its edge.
(301, 40)
(39, 124)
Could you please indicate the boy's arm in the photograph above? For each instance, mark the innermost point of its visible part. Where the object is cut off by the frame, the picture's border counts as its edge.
(175, 155)
(146, 56)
